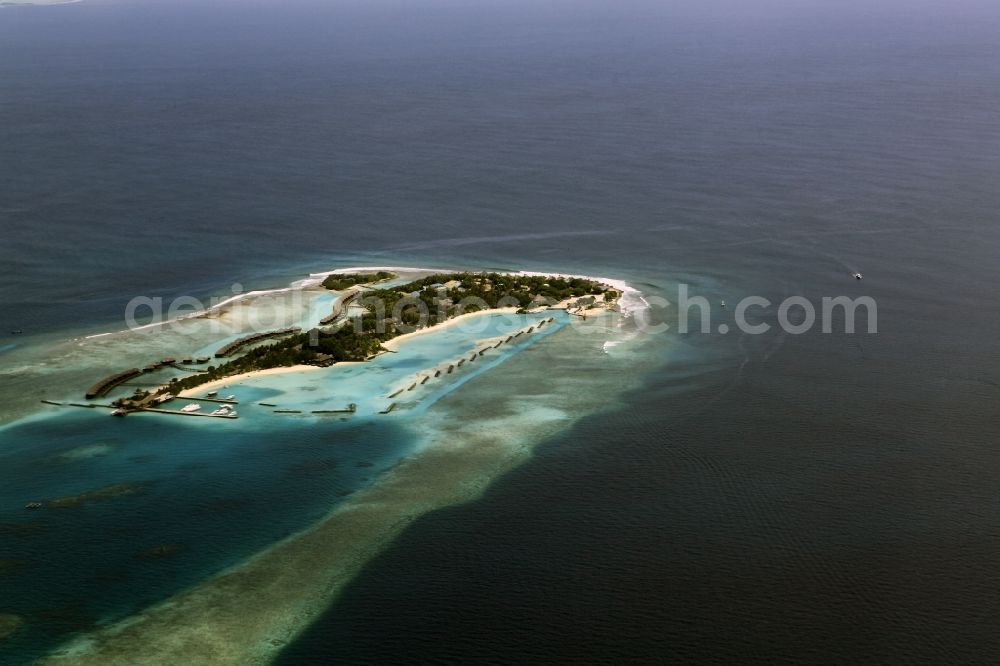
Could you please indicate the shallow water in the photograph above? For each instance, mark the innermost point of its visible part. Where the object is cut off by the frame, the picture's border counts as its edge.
(169, 510)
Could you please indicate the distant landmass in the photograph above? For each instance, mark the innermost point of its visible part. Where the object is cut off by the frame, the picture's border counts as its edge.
(37, 2)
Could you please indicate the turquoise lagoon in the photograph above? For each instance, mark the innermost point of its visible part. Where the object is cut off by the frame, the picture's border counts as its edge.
(174, 500)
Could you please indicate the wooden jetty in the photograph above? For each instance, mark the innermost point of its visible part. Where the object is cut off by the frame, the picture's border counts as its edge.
(340, 305)
(288, 411)
(350, 409)
(219, 400)
(53, 402)
(236, 345)
(102, 387)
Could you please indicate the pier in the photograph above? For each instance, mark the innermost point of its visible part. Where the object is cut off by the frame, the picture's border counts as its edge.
(102, 387)
(236, 345)
(350, 409)
(340, 305)
(157, 410)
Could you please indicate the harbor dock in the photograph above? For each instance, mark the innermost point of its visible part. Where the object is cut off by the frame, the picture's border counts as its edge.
(177, 412)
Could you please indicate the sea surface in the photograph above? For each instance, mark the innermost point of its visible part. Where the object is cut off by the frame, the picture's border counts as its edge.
(818, 498)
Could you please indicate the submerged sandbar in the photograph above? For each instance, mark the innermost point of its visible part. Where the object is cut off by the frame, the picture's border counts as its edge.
(247, 614)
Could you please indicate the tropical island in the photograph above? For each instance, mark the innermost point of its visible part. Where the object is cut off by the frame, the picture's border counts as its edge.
(382, 314)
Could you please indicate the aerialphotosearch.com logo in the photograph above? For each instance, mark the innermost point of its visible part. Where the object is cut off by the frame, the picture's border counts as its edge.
(796, 315)
(264, 311)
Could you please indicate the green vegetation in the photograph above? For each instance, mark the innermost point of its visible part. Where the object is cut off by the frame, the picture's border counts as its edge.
(392, 312)
(347, 280)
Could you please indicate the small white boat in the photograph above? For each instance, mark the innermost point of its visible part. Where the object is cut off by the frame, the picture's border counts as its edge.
(230, 397)
(166, 397)
(858, 276)
(193, 407)
(221, 412)
(211, 394)
(119, 412)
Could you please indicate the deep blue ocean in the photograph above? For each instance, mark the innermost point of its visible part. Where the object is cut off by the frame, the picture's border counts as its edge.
(814, 498)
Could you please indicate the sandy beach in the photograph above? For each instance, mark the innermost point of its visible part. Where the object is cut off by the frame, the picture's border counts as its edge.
(239, 379)
(393, 344)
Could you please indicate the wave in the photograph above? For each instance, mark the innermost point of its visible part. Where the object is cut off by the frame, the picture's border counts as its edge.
(631, 301)
(476, 240)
